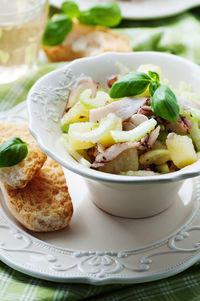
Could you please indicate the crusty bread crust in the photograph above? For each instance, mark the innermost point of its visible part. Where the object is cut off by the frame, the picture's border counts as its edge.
(44, 204)
(17, 176)
(88, 41)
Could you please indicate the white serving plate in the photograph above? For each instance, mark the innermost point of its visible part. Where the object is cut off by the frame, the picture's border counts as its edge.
(141, 9)
(99, 248)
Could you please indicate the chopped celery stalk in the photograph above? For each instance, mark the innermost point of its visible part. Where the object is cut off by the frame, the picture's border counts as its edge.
(162, 136)
(185, 91)
(138, 173)
(163, 168)
(101, 133)
(194, 116)
(135, 134)
(101, 99)
(81, 128)
(195, 134)
(64, 140)
(65, 128)
(155, 156)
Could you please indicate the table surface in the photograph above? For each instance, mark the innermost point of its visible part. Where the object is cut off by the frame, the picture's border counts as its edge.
(178, 35)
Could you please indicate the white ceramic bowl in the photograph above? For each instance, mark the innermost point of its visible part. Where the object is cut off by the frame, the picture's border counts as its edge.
(119, 195)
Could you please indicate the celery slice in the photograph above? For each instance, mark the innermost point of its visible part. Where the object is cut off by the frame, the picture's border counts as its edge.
(101, 99)
(106, 124)
(64, 141)
(194, 116)
(162, 168)
(81, 128)
(135, 134)
(138, 173)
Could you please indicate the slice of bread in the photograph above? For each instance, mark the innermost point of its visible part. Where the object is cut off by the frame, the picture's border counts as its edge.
(44, 204)
(17, 176)
(86, 40)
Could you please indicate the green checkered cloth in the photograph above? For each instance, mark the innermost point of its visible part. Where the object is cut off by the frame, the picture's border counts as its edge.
(179, 35)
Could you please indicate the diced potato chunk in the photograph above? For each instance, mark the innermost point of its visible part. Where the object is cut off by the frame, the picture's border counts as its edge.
(159, 145)
(79, 127)
(156, 156)
(107, 140)
(101, 133)
(181, 150)
(78, 113)
(127, 160)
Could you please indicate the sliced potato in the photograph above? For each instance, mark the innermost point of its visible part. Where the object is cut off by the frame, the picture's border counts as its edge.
(81, 127)
(78, 113)
(156, 156)
(101, 133)
(159, 145)
(127, 160)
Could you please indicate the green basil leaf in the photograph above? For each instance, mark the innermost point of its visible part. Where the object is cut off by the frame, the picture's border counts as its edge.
(153, 87)
(71, 9)
(12, 152)
(107, 15)
(164, 104)
(56, 30)
(154, 75)
(131, 84)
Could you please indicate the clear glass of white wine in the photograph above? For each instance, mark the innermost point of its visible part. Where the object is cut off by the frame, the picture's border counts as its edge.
(22, 24)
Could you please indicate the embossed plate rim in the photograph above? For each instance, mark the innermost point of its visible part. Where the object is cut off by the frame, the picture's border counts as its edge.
(128, 12)
(86, 277)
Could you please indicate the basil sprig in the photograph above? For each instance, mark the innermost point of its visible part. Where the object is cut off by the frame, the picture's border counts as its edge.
(108, 15)
(164, 104)
(12, 152)
(163, 100)
(71, 9)
(56, 30)
(59, 26)
(131, 84)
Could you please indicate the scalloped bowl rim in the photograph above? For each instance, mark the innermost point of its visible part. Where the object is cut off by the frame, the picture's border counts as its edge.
(189, 171)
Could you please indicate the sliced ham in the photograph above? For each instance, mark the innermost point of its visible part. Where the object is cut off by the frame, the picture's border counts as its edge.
(123, 108)
(181, 127)
(128, 125)
(152, 137)
(146, 110)
(111, 80)
(113, 151)
(135, 120)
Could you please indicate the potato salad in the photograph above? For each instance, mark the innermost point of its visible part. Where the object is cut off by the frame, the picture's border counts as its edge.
(136, 126)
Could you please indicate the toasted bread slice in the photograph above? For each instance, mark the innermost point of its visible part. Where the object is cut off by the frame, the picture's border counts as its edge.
(17, 176)
(44, 204)
(88, 41)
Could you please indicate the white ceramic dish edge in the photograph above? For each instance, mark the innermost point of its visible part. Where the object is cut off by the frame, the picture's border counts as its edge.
(19, 115)
(189, 171)
(138, 12)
